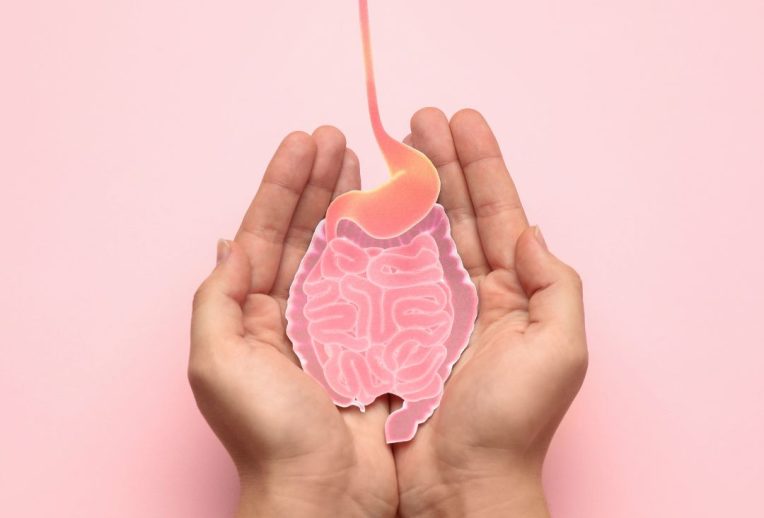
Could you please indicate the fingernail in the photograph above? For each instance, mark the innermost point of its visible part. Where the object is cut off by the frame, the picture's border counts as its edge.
(224, 249)
(539, 237)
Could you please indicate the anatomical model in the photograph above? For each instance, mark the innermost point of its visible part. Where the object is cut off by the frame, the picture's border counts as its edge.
(381, 303)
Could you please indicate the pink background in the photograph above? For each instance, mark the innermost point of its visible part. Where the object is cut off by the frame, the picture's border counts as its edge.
(134, 133)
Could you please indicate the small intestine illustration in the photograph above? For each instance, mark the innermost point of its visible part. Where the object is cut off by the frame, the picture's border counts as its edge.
(381, 302)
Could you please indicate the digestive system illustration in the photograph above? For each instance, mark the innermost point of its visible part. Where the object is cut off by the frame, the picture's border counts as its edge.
(381, 303)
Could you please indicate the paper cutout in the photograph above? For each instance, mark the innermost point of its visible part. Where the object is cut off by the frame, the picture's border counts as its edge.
(407, 197)
(381, 302)
(362, 329)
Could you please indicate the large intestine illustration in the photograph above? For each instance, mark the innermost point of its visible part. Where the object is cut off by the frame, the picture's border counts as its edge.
(381, 302)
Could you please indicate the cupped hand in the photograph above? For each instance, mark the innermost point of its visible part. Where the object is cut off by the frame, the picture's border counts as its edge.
(481, 452)
(296, 453)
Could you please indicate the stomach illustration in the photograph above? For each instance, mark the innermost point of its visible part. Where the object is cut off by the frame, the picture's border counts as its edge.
(381, 302)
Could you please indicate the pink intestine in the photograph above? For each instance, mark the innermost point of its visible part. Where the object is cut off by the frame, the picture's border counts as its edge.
(369, 316)
(378, 318)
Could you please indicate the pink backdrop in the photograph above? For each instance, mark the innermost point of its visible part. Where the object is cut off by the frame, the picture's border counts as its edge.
(133, 134)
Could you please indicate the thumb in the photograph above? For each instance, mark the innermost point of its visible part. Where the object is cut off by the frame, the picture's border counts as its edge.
(553, 288)
(217, 310)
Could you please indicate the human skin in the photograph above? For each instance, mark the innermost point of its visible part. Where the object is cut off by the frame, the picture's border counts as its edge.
(482, 451)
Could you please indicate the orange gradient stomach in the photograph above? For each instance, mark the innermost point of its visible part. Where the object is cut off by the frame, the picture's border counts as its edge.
(400, 203)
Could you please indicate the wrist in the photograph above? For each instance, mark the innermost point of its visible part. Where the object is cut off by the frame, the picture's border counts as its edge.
(510, 495)
(283, 500)
(328, 496)
(257, 503)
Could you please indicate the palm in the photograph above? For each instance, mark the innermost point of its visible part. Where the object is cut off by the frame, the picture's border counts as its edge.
(467, 418)
(334, 442)
(502, 356)
(472, 418)
(493, 355)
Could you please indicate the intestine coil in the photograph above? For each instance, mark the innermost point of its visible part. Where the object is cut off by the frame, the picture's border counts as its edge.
(381, 302)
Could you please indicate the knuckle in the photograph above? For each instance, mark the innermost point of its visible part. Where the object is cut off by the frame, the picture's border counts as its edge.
(197, 376)
(201, 374)
(573, 351)
(200, 295)
(579, 360)
(574, 278)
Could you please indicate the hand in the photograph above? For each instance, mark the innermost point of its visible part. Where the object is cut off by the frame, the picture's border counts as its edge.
(481, 452)
(296, 453)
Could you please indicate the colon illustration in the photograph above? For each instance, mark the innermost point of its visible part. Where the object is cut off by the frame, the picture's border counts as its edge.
(381, 303)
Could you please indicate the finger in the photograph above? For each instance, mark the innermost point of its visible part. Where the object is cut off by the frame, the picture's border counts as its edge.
(267, 220)
(431, 135)
(553, 288)
(216, 320)
(368, 425)
(311, 208)
(500, 215)
(350, 174)
(408, 140)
